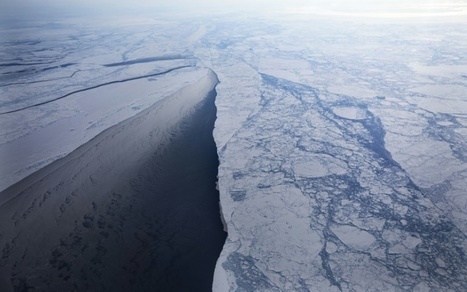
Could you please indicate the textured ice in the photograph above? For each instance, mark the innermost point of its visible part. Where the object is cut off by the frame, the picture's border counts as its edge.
(342, 161)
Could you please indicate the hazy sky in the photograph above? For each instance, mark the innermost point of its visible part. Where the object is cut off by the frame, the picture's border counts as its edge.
(239, 4)
(326, 7)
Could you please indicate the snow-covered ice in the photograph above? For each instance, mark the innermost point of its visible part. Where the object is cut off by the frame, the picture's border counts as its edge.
(342, 154)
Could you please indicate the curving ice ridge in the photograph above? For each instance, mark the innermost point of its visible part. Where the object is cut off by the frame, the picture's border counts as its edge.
(341, 143)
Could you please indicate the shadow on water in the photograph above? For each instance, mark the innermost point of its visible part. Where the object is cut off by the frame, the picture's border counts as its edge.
(180, 227)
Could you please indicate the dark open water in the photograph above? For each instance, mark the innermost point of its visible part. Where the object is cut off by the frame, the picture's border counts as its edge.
(181, 207)
(157, 230)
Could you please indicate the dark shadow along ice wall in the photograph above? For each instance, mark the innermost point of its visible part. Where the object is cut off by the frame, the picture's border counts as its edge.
(134, 209)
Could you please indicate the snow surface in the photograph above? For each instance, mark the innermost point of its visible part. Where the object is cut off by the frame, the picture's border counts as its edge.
(80, 87)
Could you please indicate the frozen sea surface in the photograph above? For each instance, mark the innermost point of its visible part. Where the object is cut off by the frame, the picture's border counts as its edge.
(341, 141)
(342, 153)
